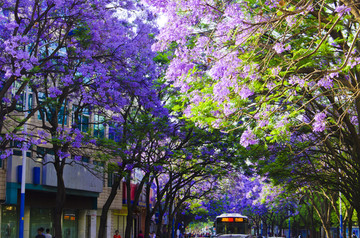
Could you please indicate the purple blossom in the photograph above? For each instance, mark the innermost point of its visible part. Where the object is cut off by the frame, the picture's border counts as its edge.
(248, 138)
(263, 123)
(77, 157)
(54, 92)
(158, 168)
(275, 71)
(326, 82)
(319, 122)
(279, 47)
(245, 92)
(342, 9)
(6, 154)
(6, 100)
(129, 167)
(297, 80)
(229, 109)
(11, 25)
(63, 155)
(354, 120)
(291, 20)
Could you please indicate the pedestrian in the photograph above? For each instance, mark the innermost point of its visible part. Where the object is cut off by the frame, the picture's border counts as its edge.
(117, 234)
(40, 233)
(353, 235)
(140, 234)
(48, 235)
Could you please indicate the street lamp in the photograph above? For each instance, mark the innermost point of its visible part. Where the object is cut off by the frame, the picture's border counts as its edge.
(23, 169)
(289, 224)
(341, 218)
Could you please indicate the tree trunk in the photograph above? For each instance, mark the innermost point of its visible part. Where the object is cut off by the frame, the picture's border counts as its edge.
(170, 227)
(159, 228)
(313, 227)
(60, 201)
(129, 223)
(106, 207)
(350, 222)
(133, 205)
(130, 215)
(148, 212)
(327, 232)
(265, 228)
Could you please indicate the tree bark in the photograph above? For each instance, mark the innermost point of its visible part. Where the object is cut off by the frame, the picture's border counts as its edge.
(149, 214)
(60, 200)
(106, 207)
(129, 217)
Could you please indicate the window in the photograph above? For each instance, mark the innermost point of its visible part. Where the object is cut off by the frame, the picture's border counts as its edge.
(62, 117)
(9, 221)
(99, 163)
(17, 149)
(42, 151)
(48, 111)
(85, 159)
(40, 217)
(20, 103)
(99, 128)
(70, 223)
(112, 177)
(44, 110)
(82, 122)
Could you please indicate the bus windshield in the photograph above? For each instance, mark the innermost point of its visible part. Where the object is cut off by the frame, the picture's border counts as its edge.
(231, 228)
(228, 224)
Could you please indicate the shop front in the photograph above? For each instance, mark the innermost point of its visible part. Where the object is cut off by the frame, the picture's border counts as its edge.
(39, 212)
(9, 221)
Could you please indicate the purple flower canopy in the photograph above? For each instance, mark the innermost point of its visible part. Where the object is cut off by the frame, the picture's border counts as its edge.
(93, 55)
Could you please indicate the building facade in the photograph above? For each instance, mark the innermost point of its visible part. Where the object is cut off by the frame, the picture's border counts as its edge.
(83, 207)
(87, 183)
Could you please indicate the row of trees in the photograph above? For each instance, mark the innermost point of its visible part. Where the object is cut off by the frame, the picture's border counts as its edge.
(285, 73)
(310, 209)
(279, 76)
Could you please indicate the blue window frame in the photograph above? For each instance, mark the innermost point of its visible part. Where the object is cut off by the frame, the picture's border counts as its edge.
(45, 110)
(99, 128)
(83, 119)
(20, 104)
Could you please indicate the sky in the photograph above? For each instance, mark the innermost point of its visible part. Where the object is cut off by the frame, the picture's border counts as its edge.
(162, 21)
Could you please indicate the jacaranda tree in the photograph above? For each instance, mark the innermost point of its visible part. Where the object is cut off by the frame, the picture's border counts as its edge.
(274, 68)
(73, 56)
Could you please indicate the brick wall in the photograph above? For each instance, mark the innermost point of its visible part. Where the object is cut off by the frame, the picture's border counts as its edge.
(116, 204)
(2, 181)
